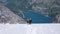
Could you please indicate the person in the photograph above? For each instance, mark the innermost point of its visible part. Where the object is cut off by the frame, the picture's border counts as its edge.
(27, 20)
(30, 21)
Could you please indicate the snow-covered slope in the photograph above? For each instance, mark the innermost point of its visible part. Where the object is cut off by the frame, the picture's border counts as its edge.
(30, 29)
(7, 16)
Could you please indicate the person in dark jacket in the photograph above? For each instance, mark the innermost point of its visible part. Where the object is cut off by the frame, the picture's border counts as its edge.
(29, 21)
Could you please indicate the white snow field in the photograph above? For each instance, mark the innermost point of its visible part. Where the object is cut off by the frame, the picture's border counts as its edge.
(30, 29)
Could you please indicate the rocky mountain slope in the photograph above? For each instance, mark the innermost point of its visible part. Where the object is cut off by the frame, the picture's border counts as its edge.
(46, 7)
(7, 16)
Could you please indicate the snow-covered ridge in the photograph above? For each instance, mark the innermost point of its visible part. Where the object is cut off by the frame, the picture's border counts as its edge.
(7, 16)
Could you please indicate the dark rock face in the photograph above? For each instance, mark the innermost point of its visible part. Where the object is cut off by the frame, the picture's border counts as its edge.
(6, 16)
